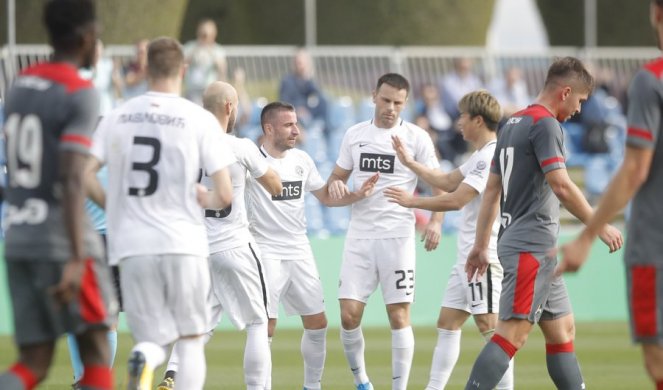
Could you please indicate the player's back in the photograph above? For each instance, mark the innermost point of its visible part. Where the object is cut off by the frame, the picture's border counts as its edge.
(229, 228)
(49, 109)
(645, 126)
(154, 146)
(529, 145)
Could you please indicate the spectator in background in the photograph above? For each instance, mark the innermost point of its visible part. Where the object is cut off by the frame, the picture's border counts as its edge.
(300, 89)
(448, 141)
(134, 78)
(455, 85)
(206, 61)
(511, 91)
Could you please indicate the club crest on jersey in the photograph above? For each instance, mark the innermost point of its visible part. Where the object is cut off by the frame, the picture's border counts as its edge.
(299, 170)
(372, 162)
(291, 190)
(481, 165)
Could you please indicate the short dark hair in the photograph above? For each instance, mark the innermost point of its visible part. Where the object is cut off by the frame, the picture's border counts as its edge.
(658, 2)
(395, 80)
(164, 58)
(570, 70)
(268, 111)
(65, 19)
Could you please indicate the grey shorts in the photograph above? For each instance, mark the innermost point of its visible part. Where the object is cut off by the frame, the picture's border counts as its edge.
(644, 284)
(530, 289)
(38, 318)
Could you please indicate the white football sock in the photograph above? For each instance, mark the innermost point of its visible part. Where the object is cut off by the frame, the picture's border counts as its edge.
(353, 346)
(402, 350)
(314, 351)
(193, 367)
(268, 380)
(445, 357)
(257, 357)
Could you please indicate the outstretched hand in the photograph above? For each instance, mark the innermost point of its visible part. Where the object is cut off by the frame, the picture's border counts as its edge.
(612, 237)
(368, 186)
(403, 156)
(574, 255)
(338, 189)
(399, 195)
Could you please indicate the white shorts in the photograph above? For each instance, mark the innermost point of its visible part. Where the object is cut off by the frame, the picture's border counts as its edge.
(476, 297)
(238, 286)
(165, 296)
(296, 284)
(367, 262)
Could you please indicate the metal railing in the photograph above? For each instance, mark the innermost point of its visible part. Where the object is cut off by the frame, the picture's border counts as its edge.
(353, 70)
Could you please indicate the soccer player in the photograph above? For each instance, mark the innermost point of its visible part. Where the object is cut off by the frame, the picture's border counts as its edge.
(278, 224)
(480, 114)
(639, 178)
(381, 253)
(529, 174)
(238, 284)
(58, 279)
(154, 146)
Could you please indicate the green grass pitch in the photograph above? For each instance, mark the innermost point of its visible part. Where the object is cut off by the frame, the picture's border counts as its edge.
(607, 357)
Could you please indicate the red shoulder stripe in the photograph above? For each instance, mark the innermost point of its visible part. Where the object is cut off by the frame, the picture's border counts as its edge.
(535, 111)
(60, 73)
(655, 67)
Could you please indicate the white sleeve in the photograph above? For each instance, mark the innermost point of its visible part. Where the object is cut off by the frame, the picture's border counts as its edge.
(345, 154)
(476, 171)
(314, 181)
(251, 158)
(215, 150)
(98, 149)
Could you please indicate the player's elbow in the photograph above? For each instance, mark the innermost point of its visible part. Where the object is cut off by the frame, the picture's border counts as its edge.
(223, 199)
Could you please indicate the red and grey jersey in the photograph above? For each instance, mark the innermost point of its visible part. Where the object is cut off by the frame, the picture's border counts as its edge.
(529, 145)
(645, 100)
(49, 109)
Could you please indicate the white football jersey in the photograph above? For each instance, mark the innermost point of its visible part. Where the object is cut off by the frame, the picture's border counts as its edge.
(367, 149)
(278, 223)
(154, 146)
(476, 171)
(229, 228)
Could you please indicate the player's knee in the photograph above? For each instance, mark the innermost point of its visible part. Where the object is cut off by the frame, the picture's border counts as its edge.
(350, 320)
(316, 321)
(485, 322)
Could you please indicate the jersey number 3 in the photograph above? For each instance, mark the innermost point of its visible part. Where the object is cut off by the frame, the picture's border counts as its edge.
(148, 166)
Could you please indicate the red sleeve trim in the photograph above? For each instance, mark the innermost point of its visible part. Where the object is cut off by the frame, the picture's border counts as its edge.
(640, 133)
(551, 160)
(655, 67)
(552, 349)
(77, 139)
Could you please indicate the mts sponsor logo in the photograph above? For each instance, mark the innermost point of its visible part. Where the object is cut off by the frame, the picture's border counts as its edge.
(291, 190)
(371, 162)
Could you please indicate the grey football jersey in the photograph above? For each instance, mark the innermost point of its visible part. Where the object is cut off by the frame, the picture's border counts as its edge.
(529, 145)
(49, 109)
(645, 228)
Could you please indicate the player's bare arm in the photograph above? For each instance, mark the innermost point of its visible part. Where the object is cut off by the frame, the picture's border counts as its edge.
(336, 183)
(271, 181)
(72, 178)
(574, 201)
(434, 177)
(221, 195)
(478, 259)
(625, 184)
(366, 190)
(446, 202)
(93, 188)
